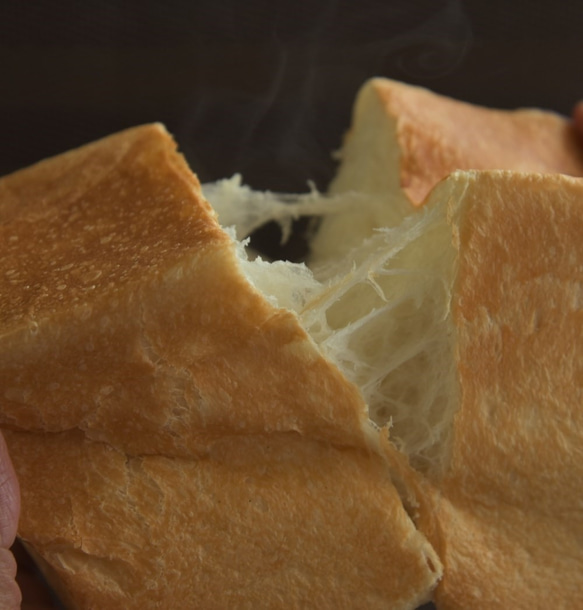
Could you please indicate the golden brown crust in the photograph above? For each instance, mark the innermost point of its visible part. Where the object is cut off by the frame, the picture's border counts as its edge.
(141, 371)
(134, 279)
(404, 139)
(437, 135)
(84, 213)
(274, 521)
(505, 516)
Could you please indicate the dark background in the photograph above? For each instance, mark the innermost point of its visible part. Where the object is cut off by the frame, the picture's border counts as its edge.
(264, 87)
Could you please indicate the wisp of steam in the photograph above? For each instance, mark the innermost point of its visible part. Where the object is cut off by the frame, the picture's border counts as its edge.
(277, 86)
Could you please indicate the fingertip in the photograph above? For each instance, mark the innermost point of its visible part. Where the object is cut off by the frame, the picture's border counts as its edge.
(9, 498)
(10, 594)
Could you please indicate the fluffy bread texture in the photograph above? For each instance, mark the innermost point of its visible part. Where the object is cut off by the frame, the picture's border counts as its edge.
(405, 139)
(180, 441)
(467, 347)
(471, 352)
(502, 507)
(438, 327)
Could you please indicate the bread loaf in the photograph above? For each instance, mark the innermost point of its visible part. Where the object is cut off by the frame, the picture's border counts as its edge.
(470, 350)
(404, 139)
(180, 441)
(195, 429)
(459, 325)
(503, 505)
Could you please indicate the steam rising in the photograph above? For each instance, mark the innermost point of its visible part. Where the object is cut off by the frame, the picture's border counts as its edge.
(276, 95)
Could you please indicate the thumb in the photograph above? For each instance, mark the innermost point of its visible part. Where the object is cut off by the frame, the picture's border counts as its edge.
(9, 512)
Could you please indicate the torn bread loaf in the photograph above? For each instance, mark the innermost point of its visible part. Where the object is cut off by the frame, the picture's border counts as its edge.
(180, 440)
(503, 508)
(404, 139)
(463, 329)
(440, 328)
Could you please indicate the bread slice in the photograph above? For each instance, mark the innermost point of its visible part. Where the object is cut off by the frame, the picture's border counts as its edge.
(405, 139)
(180, 439)
(463, 328)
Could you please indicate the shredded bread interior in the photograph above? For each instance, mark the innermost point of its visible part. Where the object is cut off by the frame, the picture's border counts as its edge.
(381, 314)
(370, 160)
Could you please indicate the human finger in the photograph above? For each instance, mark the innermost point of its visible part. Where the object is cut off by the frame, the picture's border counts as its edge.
(10, 596)
(9, 498)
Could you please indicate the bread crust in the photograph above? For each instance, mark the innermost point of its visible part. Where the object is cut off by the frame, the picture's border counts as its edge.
(505, 513)
(179, 441)
(404, 140)
(267, 521)
(437, 135)
(133, 279)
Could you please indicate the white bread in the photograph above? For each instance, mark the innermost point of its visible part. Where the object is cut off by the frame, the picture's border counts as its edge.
(180, 441)
(392, 316)
(404, 139)
(408, 320)
(506, 504)
(468, 349)
(486, 395)
(497, 474)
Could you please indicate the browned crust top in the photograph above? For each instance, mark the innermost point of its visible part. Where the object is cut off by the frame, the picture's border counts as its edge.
(67, 222)
(438, 135)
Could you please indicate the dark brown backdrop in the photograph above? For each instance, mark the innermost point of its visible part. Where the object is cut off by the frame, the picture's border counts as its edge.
(264, 87)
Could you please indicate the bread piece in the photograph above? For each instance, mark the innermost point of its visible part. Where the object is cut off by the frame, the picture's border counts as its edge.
(262, 522)
(405, 139)
(463, 328)
(505, 508)
(180, 440)
(127, 276)
(469, 350)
